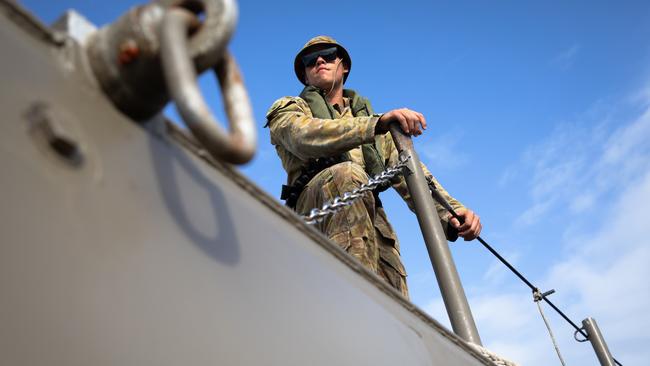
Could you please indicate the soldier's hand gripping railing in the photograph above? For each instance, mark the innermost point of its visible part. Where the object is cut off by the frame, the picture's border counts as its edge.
(155, 51)
(453, 295)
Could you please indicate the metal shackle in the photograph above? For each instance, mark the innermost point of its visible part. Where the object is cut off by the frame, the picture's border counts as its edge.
(236, 146)
(125, 55)
(155, 52)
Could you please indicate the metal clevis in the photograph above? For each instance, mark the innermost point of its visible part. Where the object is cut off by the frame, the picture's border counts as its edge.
(155, 51)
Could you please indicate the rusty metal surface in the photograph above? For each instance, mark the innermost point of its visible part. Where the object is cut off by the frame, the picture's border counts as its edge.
(149, 254)
(125, 59)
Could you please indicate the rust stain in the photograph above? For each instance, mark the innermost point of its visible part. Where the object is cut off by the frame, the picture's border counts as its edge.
(129, 52)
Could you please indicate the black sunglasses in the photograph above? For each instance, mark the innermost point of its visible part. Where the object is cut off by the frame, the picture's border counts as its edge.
(328, 54)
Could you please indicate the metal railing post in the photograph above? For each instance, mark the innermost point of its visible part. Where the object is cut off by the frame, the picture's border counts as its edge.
(598, 342)
(451, 288)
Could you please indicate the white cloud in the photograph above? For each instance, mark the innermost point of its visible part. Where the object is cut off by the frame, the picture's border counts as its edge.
(605, 278)
(508, 324)
(496, 273)
(507, 176)
(584, 160)
(443, 153)
(533, 214)
(583, 170)
(614, 292)
(606, 272)
(566, 58)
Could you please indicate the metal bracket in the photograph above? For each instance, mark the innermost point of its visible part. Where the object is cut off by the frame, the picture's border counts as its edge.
(406, 157)
(580, 331)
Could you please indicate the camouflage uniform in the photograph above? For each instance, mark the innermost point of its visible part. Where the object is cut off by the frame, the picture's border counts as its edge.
(361, 229)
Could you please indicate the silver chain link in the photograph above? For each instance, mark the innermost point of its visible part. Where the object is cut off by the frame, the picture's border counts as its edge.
(333, 206)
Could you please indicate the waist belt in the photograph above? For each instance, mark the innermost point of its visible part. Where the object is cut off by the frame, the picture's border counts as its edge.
(291, 193)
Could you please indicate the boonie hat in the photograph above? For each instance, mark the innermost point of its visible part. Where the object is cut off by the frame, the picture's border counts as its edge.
(299, 68)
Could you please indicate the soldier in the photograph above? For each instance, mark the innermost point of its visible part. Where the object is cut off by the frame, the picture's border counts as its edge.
(330, 142)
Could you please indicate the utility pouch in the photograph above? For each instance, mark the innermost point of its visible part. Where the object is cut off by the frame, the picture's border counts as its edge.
(290, 194)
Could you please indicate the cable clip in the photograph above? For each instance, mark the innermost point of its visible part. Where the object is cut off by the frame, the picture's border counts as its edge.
(538, 296)
(404, 158)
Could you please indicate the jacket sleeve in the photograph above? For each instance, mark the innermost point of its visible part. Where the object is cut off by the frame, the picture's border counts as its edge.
(400, 186)
(293, 127)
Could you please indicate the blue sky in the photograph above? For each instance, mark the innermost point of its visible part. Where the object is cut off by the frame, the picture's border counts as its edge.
(539, 120)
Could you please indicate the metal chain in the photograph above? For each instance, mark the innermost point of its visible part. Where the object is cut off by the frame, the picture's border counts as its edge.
(333, 206)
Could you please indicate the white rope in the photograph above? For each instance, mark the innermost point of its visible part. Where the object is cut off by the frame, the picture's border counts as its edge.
(493, 357)
(538, 297)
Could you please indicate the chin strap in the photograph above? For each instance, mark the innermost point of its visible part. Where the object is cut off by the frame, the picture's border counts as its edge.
(334, 81)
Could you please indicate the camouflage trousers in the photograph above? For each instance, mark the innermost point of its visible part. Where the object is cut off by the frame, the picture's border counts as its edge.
(360, 229)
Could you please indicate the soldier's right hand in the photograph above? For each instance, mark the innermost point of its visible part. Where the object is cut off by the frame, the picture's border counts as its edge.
(412, 122)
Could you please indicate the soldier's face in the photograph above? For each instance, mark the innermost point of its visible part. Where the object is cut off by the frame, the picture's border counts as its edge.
(324, 74)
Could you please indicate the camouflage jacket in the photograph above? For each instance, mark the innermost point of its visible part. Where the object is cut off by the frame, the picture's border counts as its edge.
(299, 137)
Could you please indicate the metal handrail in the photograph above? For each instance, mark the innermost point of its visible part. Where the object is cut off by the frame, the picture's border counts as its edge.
(236, 147)
(598, 342)
(453, 295)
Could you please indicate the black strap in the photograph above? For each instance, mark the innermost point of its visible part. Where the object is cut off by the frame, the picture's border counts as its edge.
(291, 193)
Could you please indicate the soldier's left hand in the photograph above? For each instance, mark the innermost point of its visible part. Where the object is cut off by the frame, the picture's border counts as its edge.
(471, 227)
